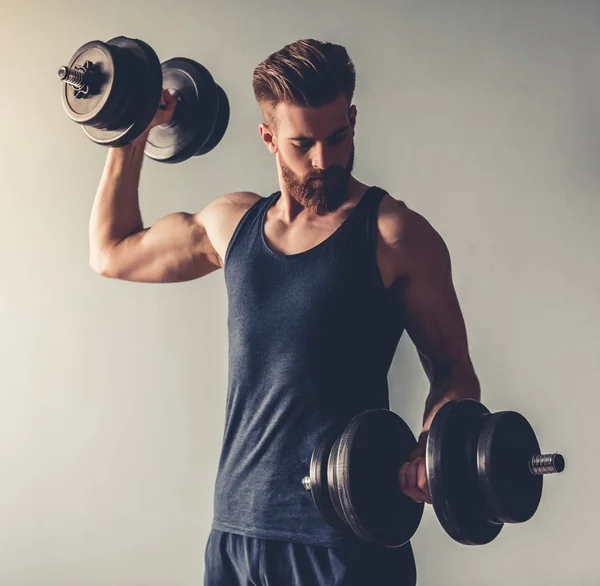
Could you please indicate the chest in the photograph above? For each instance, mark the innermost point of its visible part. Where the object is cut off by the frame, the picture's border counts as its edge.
(304, 236)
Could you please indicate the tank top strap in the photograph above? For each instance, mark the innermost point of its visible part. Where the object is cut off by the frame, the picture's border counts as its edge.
(370, 211)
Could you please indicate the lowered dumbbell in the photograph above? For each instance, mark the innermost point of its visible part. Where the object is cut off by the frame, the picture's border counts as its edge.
(483, 469)
(113, 91)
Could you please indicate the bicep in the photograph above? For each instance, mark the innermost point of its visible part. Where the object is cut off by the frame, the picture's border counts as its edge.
(434, 320)
(176, 248)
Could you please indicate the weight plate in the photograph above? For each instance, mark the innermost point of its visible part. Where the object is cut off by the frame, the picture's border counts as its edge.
(195, 116)
(371, 452)
(95, 108)
(144, 88)
(332, 481)
(505, 448)
(129, 105)
(220, 126)
(318, 482)
(452, 473)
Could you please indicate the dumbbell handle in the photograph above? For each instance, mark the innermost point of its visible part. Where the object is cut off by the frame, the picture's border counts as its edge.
(538, 465)
(74, 76)
(69, 74)
(546, 464)
(79, 77)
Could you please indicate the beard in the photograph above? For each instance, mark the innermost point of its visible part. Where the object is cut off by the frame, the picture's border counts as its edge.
(324, 197)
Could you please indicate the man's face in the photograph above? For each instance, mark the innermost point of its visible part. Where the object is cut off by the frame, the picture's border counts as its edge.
(315, 150)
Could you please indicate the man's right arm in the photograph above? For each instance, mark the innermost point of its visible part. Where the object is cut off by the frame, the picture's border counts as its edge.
(176, 248)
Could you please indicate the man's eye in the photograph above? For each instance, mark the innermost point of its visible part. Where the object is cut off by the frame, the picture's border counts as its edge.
(305, 147)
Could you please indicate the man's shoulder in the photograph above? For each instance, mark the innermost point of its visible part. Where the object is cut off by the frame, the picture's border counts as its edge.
(239, 200)
(220, 217)
(398, 223)
(229, 207)
(408, 239)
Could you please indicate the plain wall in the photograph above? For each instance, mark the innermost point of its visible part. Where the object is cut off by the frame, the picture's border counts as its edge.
(482, 116)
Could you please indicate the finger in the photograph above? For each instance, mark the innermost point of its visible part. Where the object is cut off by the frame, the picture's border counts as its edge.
(420, 485)
(169, 109)
(410, 490)
(411, 479)
(402, 477)
(422, 481)
(165, 98)
(170, 98)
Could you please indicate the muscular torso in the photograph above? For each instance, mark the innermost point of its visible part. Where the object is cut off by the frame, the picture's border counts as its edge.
(304, 234)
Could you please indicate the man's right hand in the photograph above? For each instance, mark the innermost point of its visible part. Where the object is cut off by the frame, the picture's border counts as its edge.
(164, 114)
(166, 109)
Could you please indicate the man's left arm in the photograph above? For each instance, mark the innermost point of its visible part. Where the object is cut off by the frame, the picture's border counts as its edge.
(435, 324)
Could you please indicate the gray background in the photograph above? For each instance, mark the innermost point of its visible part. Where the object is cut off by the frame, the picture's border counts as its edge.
(482, 116)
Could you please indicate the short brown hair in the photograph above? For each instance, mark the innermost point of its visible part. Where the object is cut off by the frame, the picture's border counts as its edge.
(306, 73)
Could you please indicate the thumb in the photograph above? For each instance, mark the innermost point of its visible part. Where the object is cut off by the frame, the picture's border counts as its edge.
(169, 99)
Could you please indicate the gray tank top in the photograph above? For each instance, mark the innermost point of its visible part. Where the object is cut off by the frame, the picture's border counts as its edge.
(311, 339)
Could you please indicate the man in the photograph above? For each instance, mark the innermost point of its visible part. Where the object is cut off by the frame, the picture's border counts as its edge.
(322, 277)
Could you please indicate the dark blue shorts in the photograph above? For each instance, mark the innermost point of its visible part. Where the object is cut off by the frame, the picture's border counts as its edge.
(235, 560)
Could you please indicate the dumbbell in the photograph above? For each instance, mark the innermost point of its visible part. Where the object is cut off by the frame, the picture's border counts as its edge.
(114, 89)
(354, 482)
(483, 469)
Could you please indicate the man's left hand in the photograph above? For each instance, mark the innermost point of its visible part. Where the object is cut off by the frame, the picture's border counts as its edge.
(413, 476)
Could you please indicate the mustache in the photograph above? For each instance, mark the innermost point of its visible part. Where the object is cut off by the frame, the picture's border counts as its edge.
(331, 175)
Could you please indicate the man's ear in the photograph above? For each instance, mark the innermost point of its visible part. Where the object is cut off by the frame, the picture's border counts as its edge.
(352, 116)
(268, 137)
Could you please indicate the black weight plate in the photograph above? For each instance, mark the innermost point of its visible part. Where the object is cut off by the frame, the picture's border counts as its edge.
(506, 446)
(332, 481)
(195, 115)
(97, 107)
(144, 79)
(130, 103)
(452, 473)
(318, 482)
(220, 126)
(372, 449)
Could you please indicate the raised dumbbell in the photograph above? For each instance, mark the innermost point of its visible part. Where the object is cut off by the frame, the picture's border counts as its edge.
(483, 469)
(113, 91)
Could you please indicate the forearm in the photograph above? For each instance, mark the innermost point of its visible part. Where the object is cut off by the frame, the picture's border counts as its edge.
(457, 383)
(116, 212)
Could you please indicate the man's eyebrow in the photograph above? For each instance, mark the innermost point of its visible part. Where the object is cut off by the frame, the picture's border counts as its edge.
(307, 138)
